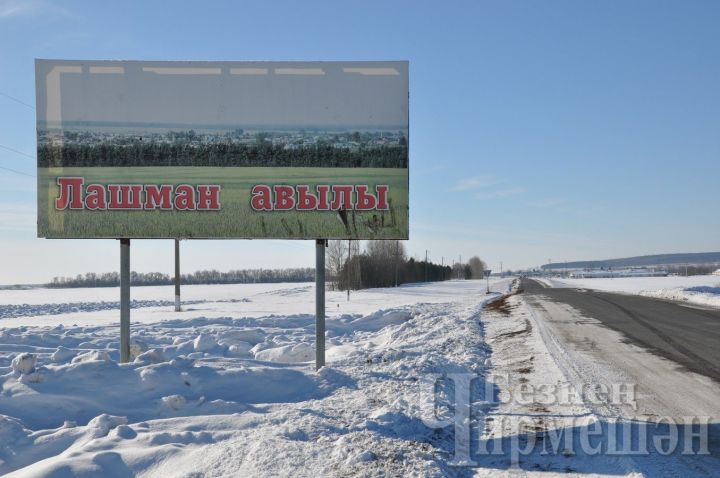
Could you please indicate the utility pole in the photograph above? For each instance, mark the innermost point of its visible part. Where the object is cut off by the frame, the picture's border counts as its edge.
(442, 267)
(501, 274)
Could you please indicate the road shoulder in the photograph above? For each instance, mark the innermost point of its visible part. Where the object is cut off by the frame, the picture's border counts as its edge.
(587, 352)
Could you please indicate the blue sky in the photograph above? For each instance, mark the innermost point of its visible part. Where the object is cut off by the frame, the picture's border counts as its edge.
(561, 129)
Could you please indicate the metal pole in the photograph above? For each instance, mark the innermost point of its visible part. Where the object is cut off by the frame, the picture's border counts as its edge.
(124, 300)
(319, 303)
(177, 276)
(347, 269)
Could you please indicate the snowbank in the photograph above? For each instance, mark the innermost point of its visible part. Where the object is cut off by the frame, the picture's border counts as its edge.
(302, 352)
(24, 363)
(212, 389)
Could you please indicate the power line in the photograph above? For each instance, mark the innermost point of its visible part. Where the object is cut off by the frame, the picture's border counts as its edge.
(17, 172)
(12, 149)
(16, 151)
(17, 100)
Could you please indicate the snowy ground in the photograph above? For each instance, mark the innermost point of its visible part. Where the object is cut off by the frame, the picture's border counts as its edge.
(699, 290)
(227, 387)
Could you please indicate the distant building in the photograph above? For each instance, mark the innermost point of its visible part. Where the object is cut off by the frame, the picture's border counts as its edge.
(609, 273)
(716, 273)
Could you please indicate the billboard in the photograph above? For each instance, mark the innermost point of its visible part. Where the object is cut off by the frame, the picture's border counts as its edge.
(282, 150)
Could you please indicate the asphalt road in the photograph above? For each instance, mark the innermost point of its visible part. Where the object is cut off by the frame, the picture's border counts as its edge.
(686, 335)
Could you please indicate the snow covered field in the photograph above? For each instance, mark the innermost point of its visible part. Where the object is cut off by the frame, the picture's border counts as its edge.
(699, 290)
(227, 387)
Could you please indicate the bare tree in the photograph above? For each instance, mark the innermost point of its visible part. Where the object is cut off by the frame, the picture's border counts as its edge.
(384, 258)
(477, 267)
(353, 273)
(385, 250)
(458, 271)
(336, 256)
(339, 262)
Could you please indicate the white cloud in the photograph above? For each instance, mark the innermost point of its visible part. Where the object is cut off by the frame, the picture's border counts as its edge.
(476, 182)
(13, 8)
(502, 193)
(19, 8)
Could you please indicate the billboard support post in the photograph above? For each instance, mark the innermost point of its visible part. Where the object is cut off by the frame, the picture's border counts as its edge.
(177, 275)
(320, 303)
(124, 300)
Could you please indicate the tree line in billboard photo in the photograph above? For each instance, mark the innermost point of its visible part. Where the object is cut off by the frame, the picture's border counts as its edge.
(235, 149)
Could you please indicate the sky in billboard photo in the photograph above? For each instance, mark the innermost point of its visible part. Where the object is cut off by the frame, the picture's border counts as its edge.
(226, 95)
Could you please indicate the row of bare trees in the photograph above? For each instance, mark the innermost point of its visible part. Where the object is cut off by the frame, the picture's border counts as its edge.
(349, 267)
(245, 276)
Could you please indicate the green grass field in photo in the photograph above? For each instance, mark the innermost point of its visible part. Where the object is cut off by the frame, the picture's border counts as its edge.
(235, 219)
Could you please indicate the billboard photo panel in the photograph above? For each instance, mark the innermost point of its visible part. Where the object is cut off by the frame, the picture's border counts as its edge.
(281, 150)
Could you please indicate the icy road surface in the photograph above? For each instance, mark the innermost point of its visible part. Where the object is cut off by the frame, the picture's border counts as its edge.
(697, 290)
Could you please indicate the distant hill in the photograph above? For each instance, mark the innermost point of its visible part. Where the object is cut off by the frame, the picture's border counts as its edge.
(696, 258)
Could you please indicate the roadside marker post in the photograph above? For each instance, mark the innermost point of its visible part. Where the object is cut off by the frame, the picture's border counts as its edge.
(124, 300)
(397, 255)
(320, 245)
